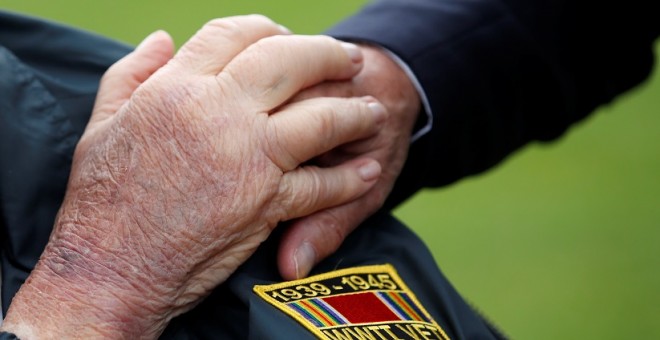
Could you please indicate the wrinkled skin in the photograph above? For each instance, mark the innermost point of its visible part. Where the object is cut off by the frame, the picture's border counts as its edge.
(312, 238)
(186, 166)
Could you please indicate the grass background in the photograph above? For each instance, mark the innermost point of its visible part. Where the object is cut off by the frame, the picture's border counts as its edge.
(561, 241)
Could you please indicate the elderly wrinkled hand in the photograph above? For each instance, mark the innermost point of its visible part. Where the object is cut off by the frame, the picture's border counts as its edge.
(187, 164)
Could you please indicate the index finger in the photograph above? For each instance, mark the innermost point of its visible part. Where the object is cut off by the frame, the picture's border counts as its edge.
(220, 40)
(274, 69)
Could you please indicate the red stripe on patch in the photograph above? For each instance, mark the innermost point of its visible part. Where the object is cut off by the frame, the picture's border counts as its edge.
(361, 308)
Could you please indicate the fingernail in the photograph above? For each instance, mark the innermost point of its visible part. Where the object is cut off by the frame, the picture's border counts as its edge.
(369, 171)
(353, 52)
(379, 111)
(285, 30)
(303, 259)
(146, 40)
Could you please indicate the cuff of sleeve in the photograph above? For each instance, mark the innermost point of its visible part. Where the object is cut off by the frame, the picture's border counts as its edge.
(420, 130)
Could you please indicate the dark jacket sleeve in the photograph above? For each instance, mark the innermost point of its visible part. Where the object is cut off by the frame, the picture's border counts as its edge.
(501, 73)
(49, 76)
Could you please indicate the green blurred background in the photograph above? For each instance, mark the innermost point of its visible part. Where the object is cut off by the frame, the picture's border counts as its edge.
(561, 241)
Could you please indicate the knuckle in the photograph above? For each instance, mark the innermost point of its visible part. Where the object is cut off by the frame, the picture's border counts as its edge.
(284, 201)
(113, 71)
(368, 121)
(300, 199)
(321, 183)
(278, 147)
(228, 27)
(118, 70)
(285, 193)
(310, 196)
(260, 19)
(315, 188)
(269, 44)
(276, 151)
(325, 121)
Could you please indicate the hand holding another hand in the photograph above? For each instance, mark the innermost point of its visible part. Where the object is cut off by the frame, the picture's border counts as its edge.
(186, 166)
(312, 238)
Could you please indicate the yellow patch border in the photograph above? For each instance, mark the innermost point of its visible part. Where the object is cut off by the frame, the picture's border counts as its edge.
(262, 291)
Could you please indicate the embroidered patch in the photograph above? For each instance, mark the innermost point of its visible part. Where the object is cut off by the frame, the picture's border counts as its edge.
(370, 302)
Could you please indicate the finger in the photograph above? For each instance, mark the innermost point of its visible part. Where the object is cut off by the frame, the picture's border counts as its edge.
(274, 69)
(309, 189)
(376, 147)
(122, 78)
(315, 237)
(341, 89)
(220, 40)
(306, 129)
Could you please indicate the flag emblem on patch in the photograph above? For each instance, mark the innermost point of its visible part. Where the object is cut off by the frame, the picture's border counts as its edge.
(370, 302)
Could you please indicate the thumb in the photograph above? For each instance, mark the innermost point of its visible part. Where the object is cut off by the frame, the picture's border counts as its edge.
(312, 238)
(123, 77)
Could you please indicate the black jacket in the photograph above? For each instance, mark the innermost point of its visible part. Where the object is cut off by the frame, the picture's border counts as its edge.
(502, 73)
